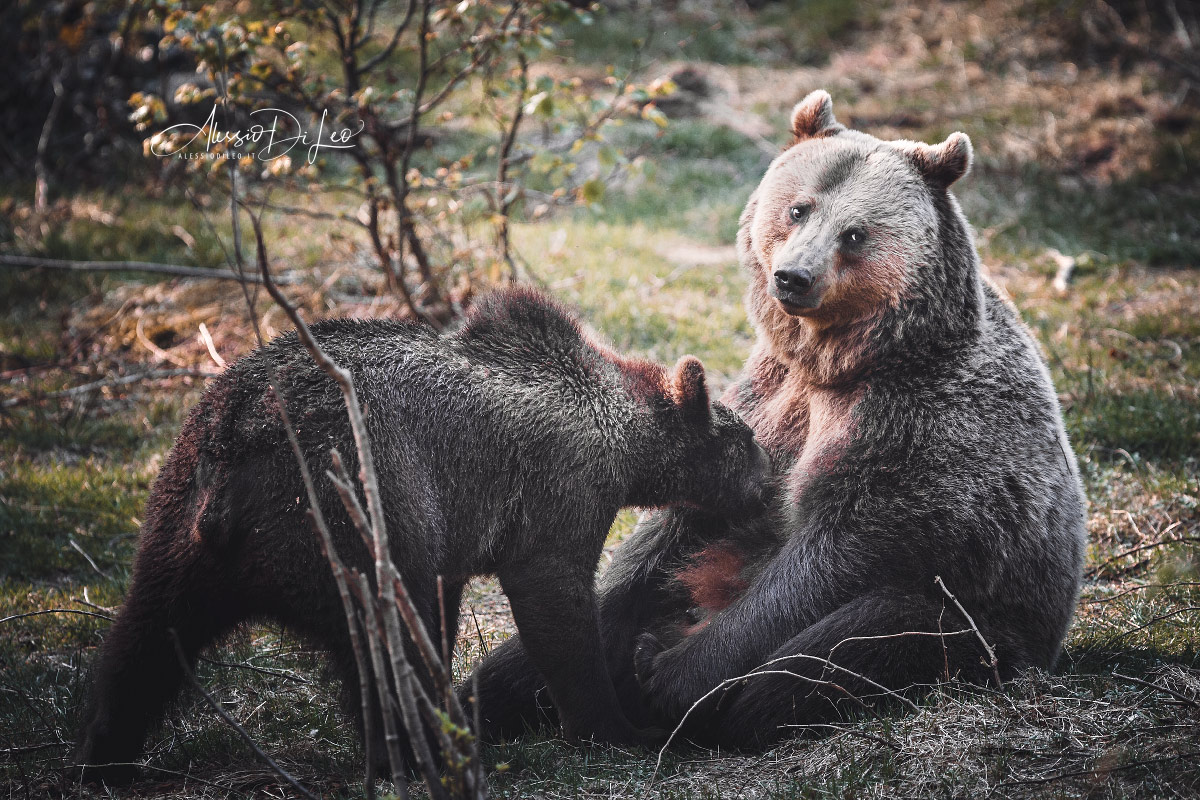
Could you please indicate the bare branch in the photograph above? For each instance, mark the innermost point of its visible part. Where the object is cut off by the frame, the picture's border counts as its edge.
(763, 670)
(1102, 771)
(42, 182)
(261, 670)
(505, 201)
(1157, 687)
(1152, 622)
(124, 380)
(56, 611)
(1141, 588)
(317, 520)
(409, 694)
(387, 51)
(383, 691)
(27, 262)
(725, 684)
(476, 61)
(992, 660)
(1142, 548)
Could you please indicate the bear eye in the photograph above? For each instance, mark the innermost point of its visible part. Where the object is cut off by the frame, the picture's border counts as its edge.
(799, 211)
(853, 238)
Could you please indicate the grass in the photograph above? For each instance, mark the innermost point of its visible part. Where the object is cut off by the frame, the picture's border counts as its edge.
(696, 180)
(725, 35)
(653, 270)
(1145, 220)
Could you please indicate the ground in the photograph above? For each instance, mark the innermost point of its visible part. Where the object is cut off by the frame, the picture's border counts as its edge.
(1082, 161)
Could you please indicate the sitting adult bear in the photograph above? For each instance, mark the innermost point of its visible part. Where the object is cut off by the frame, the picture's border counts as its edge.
(915, 434)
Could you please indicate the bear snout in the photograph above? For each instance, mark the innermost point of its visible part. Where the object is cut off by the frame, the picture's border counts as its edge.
(756, 483)
(794, 281)
(797, 292)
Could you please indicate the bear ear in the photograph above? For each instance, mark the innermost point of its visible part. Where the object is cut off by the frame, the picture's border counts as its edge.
(941, 164)
(814, 115)
(689, 389)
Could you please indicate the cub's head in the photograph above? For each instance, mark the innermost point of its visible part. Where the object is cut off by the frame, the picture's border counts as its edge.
(844, 225)
(703, 455)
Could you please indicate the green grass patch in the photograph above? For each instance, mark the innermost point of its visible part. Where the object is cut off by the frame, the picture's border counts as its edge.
(623, 279)
(76, 486)
(1150, 423)
(49, 512)
(1145, 220)
(696, 179)
(779, 34)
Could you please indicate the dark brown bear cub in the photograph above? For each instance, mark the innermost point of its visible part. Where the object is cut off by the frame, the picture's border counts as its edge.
(506, 447)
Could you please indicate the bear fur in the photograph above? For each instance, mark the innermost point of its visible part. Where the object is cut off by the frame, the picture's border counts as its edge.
(915, 434)
(504, 448)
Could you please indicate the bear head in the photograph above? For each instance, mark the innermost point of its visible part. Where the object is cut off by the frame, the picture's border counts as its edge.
(845, 228)
(702, 454)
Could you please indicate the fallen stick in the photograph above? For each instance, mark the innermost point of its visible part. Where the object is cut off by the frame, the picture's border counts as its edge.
(1158, 687)
(178, 270)
(992, 660)
(223, 714)
(124, 380)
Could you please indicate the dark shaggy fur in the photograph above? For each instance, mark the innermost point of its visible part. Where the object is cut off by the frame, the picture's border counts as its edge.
(507, 447)
(916, 434)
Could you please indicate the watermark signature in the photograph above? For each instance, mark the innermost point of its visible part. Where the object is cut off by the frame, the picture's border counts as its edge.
(272, 139)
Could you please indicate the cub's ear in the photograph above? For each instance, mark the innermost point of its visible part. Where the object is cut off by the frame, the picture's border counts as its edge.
(689, 389)
(813, 116)
(941, 164)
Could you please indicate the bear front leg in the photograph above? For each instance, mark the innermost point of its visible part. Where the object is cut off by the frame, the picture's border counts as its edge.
(554, 607)
(138, 674)
(512, 693)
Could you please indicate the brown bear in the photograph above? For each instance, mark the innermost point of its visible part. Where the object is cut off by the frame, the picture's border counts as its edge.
(916, 433)
(506, 447)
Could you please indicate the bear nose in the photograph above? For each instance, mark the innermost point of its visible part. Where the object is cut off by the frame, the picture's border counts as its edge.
(796, 281)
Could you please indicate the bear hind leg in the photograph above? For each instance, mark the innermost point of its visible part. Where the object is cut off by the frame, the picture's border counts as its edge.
(897, 640)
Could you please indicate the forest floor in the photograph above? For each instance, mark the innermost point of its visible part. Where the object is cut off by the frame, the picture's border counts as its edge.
(1080, 160)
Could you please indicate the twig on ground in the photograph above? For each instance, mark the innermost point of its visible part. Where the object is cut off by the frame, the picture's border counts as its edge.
(1141, 548)
(992, 660)
(56, 611)
(28, 748)
(187, 776)
(758, 672)
(1065, 268)
(75, 545)
(263, 670)
(155, 350)
(847, 731)
(86, 602)
(223, 714)
(109, 383)
(1102, 771)
(1158, 687)
(1143, 587)
(761, 670)
(178, 270)
(1154, 621)
(209, 345)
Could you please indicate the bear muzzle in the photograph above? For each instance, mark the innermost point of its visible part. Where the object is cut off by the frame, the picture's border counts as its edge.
(797, 289)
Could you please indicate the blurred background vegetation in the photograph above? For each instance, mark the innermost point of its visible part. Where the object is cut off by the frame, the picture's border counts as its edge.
(604, 152)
